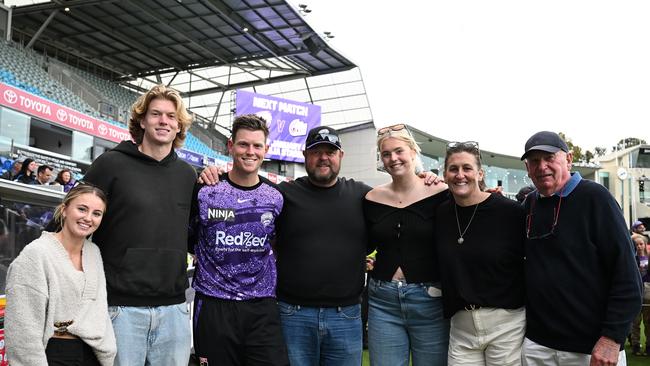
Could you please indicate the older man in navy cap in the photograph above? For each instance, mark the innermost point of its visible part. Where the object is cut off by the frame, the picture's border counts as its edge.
(583, 289)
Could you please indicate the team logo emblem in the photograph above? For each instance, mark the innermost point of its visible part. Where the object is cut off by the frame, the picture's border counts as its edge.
(267, 218)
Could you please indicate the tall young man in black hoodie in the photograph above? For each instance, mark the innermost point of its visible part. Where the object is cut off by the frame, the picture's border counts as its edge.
(143, 237)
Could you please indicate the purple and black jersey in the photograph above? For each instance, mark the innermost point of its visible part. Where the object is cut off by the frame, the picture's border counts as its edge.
(231, 229)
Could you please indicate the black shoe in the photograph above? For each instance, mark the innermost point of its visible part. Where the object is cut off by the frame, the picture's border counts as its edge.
(636, 350)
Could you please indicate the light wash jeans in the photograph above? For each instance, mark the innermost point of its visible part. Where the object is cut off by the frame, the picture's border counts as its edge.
(405, 319)
(322, 336)
(534, 354)
(158, 335)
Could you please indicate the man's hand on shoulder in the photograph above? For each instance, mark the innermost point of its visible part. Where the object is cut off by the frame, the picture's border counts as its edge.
(498, 189)
(605, 352)
(210, 175)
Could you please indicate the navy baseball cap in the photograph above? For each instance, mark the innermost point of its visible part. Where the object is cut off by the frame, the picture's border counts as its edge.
(323, 135)
(545, 141)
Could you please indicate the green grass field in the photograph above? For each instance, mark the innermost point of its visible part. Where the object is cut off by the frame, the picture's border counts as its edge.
(633, 360)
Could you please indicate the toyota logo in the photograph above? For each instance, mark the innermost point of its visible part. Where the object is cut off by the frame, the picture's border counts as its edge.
(62, 115)
(102, 129)
(10, 96)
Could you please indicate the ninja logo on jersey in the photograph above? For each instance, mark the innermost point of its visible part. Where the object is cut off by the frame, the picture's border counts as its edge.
(221, 214)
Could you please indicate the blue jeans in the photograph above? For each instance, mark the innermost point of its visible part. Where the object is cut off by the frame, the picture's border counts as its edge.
(322, 336)
(158, 335)
(404, 318)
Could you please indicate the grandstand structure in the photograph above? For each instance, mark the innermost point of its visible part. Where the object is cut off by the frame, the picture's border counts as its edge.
(96, 57)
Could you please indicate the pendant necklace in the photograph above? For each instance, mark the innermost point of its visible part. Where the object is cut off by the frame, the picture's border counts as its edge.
(461, 234)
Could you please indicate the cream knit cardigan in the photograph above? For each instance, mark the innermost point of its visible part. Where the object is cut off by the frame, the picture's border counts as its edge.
(43, 287)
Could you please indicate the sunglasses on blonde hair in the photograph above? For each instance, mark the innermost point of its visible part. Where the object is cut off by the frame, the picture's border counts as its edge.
(393, 128)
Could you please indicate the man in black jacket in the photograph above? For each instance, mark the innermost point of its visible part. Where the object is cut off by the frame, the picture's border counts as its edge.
(583, 288)
(143, 236)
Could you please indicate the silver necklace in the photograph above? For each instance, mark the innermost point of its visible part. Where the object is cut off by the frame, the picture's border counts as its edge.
(461, 234)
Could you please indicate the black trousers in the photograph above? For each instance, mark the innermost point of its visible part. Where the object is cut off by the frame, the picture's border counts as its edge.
(238, 333)
(69, 352)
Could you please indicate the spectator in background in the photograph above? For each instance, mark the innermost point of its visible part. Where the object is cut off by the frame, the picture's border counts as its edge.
(583, 288)
(13, 172)
(64, 178)
(639, 228)
(43, 175)
(640, 242)
(523, 192)
(27, 172)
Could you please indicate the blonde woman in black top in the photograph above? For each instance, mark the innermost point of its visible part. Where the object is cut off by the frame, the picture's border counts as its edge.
(405, 310)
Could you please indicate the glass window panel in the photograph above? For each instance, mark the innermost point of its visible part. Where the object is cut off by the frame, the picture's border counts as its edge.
(82, 146)
(14, 125)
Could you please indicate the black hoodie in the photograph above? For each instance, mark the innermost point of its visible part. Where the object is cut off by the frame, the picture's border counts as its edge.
(143, 235)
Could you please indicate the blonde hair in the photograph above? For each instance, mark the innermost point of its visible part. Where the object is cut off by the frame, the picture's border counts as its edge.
(404, 136)
(140, 107)
(639, 236)
(81, 189)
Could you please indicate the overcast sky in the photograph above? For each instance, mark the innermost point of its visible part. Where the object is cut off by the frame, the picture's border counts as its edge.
(499, 71)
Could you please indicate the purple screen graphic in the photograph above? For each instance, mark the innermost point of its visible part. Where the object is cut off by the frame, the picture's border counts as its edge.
(288, 122)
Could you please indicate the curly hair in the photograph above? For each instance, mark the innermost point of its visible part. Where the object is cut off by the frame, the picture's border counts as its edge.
(140, 107)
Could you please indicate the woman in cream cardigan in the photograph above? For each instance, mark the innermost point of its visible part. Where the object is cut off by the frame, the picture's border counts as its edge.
(56, 310)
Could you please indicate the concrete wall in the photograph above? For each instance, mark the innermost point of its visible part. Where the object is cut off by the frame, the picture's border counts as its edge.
(360, 159)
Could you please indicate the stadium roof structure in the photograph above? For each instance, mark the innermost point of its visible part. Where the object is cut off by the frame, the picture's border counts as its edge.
(199, 47)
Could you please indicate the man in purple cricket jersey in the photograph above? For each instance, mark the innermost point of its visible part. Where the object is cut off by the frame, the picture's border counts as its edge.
(232, 225)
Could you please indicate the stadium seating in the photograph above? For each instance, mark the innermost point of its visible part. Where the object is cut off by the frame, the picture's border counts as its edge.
(25, 69)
